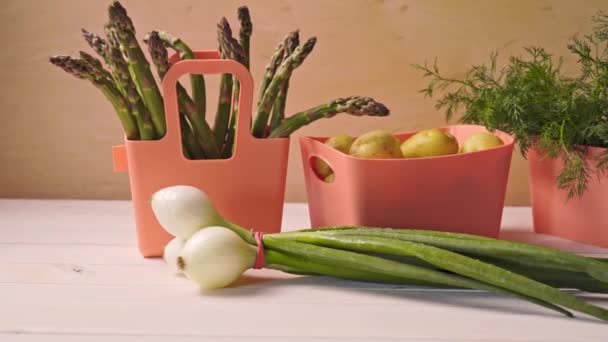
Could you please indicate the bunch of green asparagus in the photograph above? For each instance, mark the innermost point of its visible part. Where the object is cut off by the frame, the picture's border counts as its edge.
(128, 83)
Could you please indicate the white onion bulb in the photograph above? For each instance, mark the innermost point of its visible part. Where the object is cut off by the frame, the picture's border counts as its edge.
(183, 210)
(172, 250)
(215, 257)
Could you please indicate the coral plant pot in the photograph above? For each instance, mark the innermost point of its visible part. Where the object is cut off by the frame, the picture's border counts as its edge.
(457, 193)
(583, 219)
(247, 189)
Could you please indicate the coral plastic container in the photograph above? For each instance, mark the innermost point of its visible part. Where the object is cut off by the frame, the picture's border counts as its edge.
(583, 219)
(248, 188)
(458, 193)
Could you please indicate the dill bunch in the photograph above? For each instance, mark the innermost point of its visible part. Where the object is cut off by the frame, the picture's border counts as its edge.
(531, 99)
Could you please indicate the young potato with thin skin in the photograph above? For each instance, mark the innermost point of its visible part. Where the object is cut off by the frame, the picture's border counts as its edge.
(330, 178)
(429, 143)
(480, 141)
(377, 144)
(340, 142)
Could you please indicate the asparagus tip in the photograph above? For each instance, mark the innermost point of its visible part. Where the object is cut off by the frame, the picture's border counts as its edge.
(291, 42)
(366, 106)
(120, 18)
(146, 38)
(300, 54)
(158, 52)
(245, 19)
(71, 65)
(311, 42)
(96, 42)
(224, 26)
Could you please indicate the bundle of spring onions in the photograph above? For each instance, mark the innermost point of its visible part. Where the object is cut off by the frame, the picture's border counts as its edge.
(131, 88)
(214, 252)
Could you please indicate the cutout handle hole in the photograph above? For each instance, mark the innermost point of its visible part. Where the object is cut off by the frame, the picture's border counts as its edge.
(322, 170)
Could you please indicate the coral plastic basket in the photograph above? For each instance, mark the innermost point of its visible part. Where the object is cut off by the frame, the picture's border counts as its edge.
(583, 219)
(458, 193)
(248, 188)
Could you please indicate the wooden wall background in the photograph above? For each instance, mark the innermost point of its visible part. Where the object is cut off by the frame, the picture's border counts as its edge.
(56, 131)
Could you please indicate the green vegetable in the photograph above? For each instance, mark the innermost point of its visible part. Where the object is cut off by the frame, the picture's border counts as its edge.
(271, 69)
(553, 277)
(244, 41)
(83, 70)
(381, 255)
(408, 273)
(189, 141)
(187, 109)
(516, 252)
(98, 44)
(134, 93)
(290, 43)
(354, 105)
(197, 82)
(123, 81)
(245, 32)
(280, 77)
(139, 68)
(453, 262)
(541, 107)
(229, 49)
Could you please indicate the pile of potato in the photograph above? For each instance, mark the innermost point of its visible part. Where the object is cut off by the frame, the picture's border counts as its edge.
(380, 144)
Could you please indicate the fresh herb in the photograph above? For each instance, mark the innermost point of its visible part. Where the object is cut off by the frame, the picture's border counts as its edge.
(531, 99)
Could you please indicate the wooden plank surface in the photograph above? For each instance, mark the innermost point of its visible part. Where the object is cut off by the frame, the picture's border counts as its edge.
(69, 271)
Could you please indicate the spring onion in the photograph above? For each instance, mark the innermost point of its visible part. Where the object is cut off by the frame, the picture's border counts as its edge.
(217, 255)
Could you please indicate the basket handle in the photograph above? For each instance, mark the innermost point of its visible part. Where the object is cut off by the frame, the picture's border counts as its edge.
(207, 62)
(312, 158)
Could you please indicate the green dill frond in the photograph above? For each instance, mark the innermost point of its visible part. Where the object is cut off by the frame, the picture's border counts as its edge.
(602, 164)
(600, 21)
(574, 177)
(531, 99)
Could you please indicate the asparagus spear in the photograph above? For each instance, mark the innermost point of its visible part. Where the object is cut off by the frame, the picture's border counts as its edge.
(244, 41)
(200, 129)
(109, 50)
(229, 48)
(271, 68)
(97, 43)
(83, 70)
(158, 53)
(191, 148)
(139, 68)
(278, 110)
(245, 32)
(95, 64)
(122, 79)
(354, 105)
(197, 81)
(229, 45)
(282, 74)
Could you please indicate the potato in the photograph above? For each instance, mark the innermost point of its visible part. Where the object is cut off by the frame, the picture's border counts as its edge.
(480, 141)
(429, 143)
(330, 178)
(340, 142)
(376, 145)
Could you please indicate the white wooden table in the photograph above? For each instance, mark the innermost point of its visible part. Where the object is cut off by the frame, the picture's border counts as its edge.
(69, 271)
